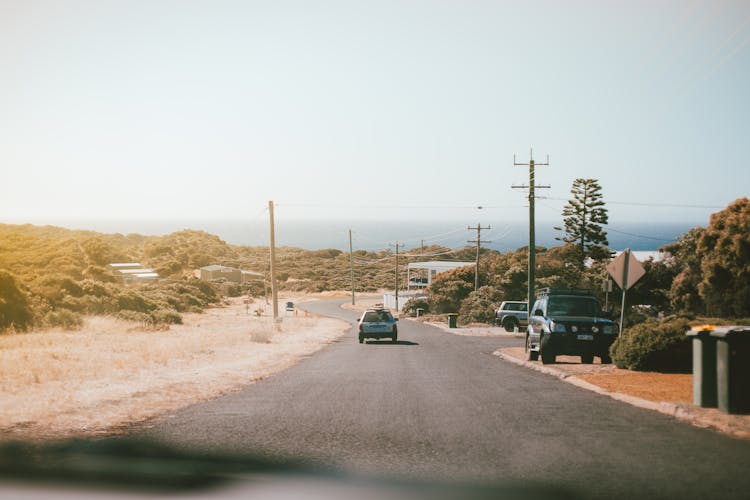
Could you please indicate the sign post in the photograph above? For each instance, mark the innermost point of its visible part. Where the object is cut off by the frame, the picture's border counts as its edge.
(626, 271)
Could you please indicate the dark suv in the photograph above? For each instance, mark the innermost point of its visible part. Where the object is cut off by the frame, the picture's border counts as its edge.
(570, 322)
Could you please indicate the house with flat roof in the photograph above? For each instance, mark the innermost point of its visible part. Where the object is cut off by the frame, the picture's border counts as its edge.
(132, 272)
(215, 272)
(421, 274)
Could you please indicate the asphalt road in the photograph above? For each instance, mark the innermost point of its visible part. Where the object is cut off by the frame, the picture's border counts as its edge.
(441, 406)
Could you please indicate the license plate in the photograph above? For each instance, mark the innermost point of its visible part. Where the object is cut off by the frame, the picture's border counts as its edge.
(585, 337)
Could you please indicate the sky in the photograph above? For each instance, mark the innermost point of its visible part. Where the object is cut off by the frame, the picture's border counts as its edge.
(200, 110)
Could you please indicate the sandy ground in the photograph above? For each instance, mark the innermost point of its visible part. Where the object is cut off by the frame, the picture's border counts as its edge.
(58, 384)
(652, 386)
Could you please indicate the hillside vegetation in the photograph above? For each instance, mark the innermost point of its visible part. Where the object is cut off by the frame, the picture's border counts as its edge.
(50, 276)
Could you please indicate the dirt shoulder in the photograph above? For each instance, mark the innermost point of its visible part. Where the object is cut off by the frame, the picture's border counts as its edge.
(58, 384)
(667, 393)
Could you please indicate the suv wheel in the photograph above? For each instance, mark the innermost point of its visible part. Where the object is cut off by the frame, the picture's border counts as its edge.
(510, 323)
(532, 355)
(606, 359)
(548, 357)
(361, 339)
(587, 359)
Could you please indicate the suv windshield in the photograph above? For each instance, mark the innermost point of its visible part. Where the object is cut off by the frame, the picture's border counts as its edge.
(573, 306)
(377, 316)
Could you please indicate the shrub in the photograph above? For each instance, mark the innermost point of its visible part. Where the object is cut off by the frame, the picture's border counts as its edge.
(411, 306)
(15, 310)
(166, 317)
(63, 318)
(479, 306)
(654, 346)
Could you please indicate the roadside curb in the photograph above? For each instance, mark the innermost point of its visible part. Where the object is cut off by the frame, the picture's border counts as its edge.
(680, 412)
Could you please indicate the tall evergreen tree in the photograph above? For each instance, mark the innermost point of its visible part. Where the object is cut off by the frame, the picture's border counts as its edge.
(583, 218)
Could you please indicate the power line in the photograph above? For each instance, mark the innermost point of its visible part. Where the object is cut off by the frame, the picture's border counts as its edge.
(639, 235)
(641, 204)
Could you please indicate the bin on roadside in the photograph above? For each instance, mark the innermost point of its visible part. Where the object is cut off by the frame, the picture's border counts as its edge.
(452, 318)
(704, 366)
(733, 368)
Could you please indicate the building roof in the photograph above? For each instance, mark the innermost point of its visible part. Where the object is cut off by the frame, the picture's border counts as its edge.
(136, 271)
(216, 267)
(444, 265)
(404, 293)
(125, 264)
(252, 273)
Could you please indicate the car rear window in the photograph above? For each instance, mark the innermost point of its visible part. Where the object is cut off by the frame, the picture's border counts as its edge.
(377, 316)
(516, 307)
(572, 306)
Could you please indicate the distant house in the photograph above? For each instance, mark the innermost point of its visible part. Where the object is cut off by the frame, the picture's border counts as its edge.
(232, 274)
(216, 272)
(132, 272)
(389, 299)
(421, 274)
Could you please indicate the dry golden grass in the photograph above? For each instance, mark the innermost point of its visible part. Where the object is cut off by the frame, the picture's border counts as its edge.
(109, 373)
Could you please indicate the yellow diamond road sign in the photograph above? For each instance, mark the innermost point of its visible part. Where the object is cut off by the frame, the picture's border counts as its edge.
(626, 272)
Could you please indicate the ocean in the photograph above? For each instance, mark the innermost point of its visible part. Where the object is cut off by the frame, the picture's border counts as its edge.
(379, 235)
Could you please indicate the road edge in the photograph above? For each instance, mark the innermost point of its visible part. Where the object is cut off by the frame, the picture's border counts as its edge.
(675, 410)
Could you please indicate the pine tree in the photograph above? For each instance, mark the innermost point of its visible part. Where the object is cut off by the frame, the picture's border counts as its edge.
(583, 218)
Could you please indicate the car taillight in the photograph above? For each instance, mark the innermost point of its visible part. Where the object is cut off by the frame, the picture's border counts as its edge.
(360, 327)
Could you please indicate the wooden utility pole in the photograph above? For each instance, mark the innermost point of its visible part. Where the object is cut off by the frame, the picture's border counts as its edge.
(479, 242)
(351, 263)
(396, 281)
(274, 291)
(532, 234)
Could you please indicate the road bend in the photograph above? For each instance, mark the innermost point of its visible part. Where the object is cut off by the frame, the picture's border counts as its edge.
(439, 406)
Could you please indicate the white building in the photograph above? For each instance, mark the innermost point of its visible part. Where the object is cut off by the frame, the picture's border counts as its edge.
(389, 299)
(421, 274)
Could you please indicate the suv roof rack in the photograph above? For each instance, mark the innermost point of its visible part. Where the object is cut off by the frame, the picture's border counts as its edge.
(562, 291)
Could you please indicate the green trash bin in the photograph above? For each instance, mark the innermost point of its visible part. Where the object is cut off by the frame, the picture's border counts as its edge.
(704, 367)
(733, 368)
(452, 318)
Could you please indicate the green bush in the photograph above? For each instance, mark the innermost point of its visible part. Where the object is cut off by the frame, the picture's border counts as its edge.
(654, 346)
(166, 317)
(63, 318)
(411, 306)
(479, 306)
(15, 310)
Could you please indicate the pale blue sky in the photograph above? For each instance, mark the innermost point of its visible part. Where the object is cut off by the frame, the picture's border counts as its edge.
(208, 109)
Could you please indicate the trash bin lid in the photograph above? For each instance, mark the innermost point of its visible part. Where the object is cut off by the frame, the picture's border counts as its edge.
(730, 331)
(701, 331)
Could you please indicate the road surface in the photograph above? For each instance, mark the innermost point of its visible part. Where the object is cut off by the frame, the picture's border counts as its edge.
(441, 406)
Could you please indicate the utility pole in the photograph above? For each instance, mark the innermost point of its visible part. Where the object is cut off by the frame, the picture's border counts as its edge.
(532, 235)
(274, 291)
(396, 281)
(351, 263)
(479, 242)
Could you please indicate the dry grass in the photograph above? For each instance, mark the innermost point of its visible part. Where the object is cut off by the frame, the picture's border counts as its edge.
(109, 373)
